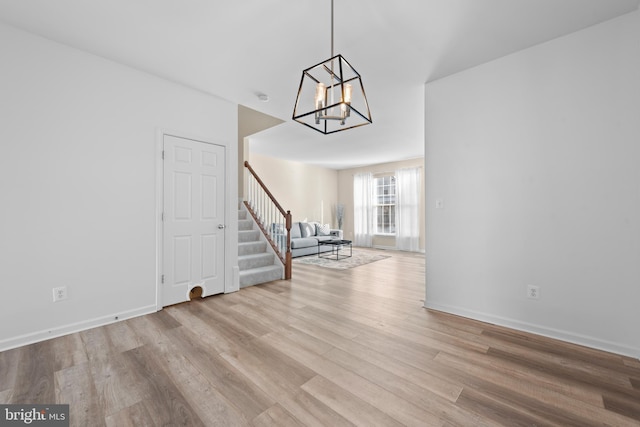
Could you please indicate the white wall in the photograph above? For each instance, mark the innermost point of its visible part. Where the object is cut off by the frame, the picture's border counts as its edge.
(250, 122)
(308, 191)
(536, 157)
(78, 183)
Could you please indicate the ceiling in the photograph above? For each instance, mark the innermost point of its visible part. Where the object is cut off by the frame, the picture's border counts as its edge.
(239, 49)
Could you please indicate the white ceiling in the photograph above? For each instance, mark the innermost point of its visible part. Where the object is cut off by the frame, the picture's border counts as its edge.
(239, 49)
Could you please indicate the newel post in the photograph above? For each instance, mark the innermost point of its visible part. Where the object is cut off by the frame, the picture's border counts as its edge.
(288, 259)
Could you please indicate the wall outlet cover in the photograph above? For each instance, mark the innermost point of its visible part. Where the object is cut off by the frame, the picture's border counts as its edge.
(59, 293)
(533, 292)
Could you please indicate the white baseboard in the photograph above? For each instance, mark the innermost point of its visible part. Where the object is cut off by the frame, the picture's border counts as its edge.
(34, 337)
(387, 248)
(394, 248)
(571, 337)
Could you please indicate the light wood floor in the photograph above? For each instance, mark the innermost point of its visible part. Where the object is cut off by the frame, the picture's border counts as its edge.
(328, 348)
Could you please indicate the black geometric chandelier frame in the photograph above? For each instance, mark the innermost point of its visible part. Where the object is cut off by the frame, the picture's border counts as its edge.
(331, 96)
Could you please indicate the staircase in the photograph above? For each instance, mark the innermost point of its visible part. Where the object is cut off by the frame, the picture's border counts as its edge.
(257, 262)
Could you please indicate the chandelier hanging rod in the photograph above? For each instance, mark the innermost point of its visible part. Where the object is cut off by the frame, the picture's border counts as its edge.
(331, 92)
(332, 30)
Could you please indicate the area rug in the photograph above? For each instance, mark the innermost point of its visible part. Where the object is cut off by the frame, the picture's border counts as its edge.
(358, 258)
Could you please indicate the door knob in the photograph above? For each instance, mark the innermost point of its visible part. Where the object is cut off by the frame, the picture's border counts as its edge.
(221, 226)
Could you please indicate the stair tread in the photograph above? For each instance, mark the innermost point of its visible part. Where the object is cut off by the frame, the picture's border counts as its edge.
(251, 242)
(251, 261)
(248, 235)
(260, 269)
(258, 255)
(252, 247)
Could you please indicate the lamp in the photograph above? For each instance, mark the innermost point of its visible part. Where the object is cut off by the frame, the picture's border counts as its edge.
(331, 96)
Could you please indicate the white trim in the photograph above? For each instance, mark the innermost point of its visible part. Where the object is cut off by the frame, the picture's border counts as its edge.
(71, 328)
(235, 282)
(231, 277)
(159, 205)
(579, 339)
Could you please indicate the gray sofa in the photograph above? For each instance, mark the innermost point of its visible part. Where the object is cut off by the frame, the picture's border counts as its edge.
(305, 237)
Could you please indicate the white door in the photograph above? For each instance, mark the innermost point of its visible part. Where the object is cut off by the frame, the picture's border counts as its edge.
(193, 226)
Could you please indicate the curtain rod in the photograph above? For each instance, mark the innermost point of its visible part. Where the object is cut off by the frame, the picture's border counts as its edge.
(379, 173)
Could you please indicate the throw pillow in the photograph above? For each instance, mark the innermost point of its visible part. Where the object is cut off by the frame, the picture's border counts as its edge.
(323, 230)
(295, 230)
(307, 229)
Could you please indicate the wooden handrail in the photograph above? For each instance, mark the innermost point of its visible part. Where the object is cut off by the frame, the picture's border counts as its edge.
(264, 187)
(287, 259)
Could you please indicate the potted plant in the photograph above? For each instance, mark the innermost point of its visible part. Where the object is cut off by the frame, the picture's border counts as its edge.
(340, 214)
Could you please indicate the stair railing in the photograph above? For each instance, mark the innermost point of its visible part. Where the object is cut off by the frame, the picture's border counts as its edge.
(273, 220)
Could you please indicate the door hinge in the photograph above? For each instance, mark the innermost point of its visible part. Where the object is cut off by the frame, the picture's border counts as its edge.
(162, 216)
(162, 154)
(162, 279)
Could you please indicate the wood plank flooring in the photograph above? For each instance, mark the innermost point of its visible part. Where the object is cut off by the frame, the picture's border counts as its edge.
(328, 348)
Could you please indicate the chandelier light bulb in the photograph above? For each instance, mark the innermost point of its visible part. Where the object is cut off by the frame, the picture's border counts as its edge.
(321, 91)
(347, 93)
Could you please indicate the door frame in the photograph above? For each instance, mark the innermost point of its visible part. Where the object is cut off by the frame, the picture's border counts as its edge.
(231, 269)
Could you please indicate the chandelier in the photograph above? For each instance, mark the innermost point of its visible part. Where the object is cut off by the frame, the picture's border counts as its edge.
(331, 96)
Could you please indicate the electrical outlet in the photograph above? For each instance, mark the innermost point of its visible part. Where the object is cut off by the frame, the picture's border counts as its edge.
(59, 293)
(533, 292)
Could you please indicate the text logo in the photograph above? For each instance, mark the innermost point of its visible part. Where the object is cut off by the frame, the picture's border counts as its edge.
(34, 415)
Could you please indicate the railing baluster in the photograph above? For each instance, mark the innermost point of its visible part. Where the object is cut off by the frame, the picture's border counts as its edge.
(274, 221)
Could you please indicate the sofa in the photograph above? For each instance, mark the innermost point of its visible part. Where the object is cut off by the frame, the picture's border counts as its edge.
(305, 237)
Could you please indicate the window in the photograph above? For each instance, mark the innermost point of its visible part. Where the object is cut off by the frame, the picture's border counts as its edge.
(384, 206)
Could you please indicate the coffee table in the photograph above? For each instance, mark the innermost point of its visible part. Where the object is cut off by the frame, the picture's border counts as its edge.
(337, 246)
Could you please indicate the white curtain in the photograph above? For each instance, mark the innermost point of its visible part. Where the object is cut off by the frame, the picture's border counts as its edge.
(407, 209)
(362, 209)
